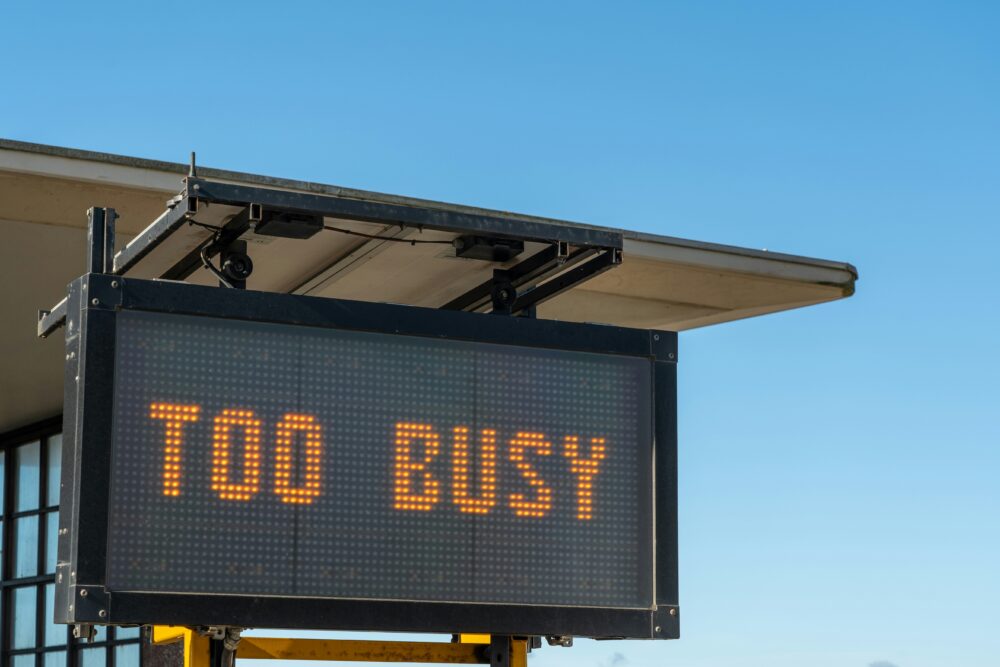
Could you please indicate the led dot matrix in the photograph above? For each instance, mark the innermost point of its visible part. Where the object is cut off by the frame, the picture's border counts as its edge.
(461, 474)
(313, 446)
(175, 416)
(266, 459)
(225, 423)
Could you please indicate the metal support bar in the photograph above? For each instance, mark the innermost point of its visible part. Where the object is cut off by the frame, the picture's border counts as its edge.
(518, 274)
(501, 650)
(100, 259)
(100, 239)
(185, 205)
(414, 216)
(512, 652)
(50, 320)
(153, 235)
(564, 281)
(534, 269)
(554, 260)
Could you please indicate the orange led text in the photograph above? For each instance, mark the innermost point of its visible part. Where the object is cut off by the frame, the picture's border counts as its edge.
(486, 472)
(240, 429)
(474, 476)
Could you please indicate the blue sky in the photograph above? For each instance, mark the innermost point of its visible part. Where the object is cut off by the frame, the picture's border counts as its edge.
(839, 464)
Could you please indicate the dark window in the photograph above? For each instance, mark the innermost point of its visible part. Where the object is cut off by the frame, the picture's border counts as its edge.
(30, 463)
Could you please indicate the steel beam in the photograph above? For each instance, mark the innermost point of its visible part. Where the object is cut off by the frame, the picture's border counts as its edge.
(564, 281)
(50, 320)
(153, 235)
(550, 262)
(412, 216)
(100, 239)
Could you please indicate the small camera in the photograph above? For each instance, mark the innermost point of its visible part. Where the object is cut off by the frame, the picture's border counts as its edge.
(237, 266)
(503, 295)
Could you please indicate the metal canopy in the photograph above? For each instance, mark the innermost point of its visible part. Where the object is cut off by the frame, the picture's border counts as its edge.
(662, 282)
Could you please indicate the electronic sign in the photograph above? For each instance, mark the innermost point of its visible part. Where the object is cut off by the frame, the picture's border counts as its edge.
(252, 459)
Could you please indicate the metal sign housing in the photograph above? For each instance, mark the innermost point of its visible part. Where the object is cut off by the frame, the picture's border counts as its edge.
(250, 459)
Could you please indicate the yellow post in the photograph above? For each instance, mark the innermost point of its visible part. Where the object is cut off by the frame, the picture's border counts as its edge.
(519, 653)
(197, 650)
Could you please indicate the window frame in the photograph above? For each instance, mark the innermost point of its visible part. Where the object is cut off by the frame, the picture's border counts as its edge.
(42, 432)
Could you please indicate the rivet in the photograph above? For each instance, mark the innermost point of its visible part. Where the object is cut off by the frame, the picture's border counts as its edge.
(671, 355)
(83, 592)
(114, 283)
(95, 301)
(656, 336)
(673, 612)
(102, 613)
(657, 628)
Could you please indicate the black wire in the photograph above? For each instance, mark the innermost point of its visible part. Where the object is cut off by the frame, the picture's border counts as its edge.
(331, 228)
(204, 247)
(383, 238)
(211, 267)
(206, 226)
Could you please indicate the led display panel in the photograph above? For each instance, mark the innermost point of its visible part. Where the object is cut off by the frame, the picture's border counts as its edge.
(239, 458)
(268, 459)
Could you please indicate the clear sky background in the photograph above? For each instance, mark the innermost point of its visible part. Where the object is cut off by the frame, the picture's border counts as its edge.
(839, 465)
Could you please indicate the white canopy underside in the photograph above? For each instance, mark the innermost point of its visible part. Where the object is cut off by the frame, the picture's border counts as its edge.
(662, 283)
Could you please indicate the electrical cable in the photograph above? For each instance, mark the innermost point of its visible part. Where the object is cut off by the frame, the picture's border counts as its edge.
(383, 238)
(211, 267)
(342, 230)
(218, 274)
(214, 228)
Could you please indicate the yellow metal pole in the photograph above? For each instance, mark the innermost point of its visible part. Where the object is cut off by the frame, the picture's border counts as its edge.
(519, 653)
(197, 650)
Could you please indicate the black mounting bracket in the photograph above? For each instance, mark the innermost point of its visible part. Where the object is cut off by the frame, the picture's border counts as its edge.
(570, 255)
(503, 294)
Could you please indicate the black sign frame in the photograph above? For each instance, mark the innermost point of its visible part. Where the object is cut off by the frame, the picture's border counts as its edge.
(81, 593)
